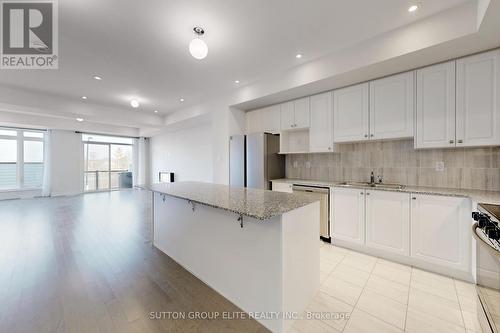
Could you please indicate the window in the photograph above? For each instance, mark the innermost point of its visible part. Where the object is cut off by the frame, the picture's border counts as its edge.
(21, 159)
(107, 162)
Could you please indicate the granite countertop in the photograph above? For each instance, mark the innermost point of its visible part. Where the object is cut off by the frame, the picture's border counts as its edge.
(259, 204)
(479, 196)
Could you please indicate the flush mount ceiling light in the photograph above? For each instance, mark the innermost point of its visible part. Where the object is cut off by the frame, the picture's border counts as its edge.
(79, 119)
(97, 77)
(155, 111)
(134, 103)
(236, 81)
(182, 100)
(198, 48)
(298, 56)
(412, 8)
(84, 97)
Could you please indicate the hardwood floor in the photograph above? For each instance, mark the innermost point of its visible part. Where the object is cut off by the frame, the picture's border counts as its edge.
(86, 264)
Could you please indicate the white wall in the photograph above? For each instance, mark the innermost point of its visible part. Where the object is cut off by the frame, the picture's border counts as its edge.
(66, 163)
(186, 152)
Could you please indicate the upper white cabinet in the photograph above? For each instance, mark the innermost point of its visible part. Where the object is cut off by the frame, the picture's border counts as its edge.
(435, 115)
(295, 114)
(321, 127)
(478, 100)
(391, 107)
(271, 119)
(441, 231)
(254, 121)
(264, 120)
(388, 221)
(350, 112)
(347, 222)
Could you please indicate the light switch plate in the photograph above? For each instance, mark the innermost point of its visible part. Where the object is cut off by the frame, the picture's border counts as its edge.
(308, 165)
(439, 166)
(295, 164)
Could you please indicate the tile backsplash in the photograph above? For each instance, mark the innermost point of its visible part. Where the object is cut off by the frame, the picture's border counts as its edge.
(398, 162)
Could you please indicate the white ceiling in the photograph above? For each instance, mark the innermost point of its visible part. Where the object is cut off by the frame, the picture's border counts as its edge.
(140, 48)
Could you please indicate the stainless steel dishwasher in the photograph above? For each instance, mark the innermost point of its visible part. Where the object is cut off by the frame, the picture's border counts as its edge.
(323, 195)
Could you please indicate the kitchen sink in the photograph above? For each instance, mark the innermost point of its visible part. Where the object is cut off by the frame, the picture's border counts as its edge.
(373, 185)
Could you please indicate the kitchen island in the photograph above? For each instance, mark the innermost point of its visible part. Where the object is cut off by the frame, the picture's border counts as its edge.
(257, 248)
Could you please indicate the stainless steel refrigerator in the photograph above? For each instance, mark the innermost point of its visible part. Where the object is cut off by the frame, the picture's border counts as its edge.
(254, 160)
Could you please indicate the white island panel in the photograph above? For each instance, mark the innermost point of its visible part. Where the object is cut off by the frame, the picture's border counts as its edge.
(266, 266)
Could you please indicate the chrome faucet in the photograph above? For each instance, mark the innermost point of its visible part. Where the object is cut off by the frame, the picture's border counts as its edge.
(379, 177)
(372, 178)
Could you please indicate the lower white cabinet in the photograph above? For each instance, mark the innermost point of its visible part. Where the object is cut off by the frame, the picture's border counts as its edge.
(347, 223)
(441, 231)
(432, 232)
(282, 187)
(388, 221)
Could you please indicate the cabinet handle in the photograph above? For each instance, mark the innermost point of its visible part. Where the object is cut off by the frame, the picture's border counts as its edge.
(460, 141)
(414, 198)
(361, 193)
(371, 135)
(451, 141)
(329, 148)
(368, 193)
(366, 135)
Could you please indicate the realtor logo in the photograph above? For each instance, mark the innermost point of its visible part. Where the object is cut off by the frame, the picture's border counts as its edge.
(29, 34)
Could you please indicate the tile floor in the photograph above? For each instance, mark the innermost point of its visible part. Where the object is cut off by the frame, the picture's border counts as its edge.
(375, 295)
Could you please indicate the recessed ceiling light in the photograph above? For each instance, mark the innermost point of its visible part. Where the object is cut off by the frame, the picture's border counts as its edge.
(298, 56)
(182, 99)
(79, 119)
(84, 97)
(412, 8)
(155, 111)
(134, 103)
(237, 81)
(98, 78)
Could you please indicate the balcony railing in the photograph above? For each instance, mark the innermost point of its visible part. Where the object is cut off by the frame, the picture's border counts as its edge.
(102, 180)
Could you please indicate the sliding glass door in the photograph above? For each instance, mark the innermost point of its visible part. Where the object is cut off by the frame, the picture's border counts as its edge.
(107, 166)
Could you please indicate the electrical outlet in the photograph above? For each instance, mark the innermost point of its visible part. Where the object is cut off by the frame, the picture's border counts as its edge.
(295, 164)
(440, 166)
(308, 165)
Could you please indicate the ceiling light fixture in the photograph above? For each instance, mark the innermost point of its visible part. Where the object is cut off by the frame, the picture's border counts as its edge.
(413, 8)
(84, 97)
(134, 103)
(182, 99)
(298, 56)
(198, 48)
(79, 119)
(155, 111)
(98, 78)
(237, 81)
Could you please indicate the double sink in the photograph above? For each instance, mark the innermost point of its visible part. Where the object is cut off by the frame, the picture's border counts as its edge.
(373, 185)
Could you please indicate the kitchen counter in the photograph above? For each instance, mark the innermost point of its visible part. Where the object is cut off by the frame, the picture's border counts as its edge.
(259, 204)
(480, 196)
(196, 225)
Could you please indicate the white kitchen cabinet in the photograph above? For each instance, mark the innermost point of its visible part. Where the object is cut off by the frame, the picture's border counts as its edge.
(264, 120)
(321, 128)
(271, 119)
(478, 100)
(347, 221)
(392, 106)
(388, 221)
(295, 114)
(254, 121)
(435, 114)
(282, 187)
(350, 112)
(441, 231)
